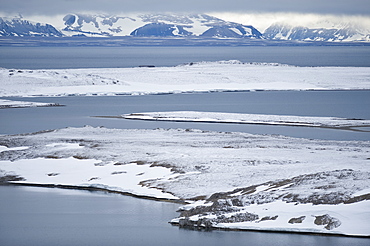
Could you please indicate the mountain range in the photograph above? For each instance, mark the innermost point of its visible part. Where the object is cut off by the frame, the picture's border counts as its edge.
(175, 25)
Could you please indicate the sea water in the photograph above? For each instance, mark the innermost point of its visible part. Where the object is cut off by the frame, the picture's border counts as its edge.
(45, 216)
(80, 111)
(113, 57)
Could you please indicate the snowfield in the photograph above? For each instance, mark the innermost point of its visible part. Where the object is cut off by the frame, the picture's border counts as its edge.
(231, 180)
(193, 77)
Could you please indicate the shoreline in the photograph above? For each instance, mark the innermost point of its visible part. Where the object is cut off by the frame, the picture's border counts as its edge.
(117, 94)
(348, 128)
(196, 228)
(94, 189)
(270, 231)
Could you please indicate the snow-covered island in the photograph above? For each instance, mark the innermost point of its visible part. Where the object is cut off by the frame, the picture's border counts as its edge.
(217, 117)
(229, 180)
(24, 104)
(193, 77)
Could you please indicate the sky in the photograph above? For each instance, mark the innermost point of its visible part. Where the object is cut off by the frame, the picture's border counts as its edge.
(53, 7)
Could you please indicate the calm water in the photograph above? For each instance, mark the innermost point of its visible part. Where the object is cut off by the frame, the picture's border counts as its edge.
(78, 111)
(93, 57)
(42, 216)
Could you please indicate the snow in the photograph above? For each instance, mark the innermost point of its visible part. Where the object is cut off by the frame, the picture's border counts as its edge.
(188, 164)
(22, 104)
(4, 148)
(72, 171)
(214, 161)
(216, 117)
(353, 221)
(237, 31)
(259, 171)
(354, 218)
(198, 77)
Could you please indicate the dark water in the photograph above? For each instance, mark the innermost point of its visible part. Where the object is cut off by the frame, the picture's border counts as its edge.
(78, 111)
(43, 217)
(101, 57)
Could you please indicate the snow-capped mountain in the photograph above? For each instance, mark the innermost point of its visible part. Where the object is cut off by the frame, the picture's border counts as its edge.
(176, 25)
(332, 33)
(23, 28)
(160, 25)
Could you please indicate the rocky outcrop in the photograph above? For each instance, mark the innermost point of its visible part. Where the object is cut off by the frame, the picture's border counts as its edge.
(296, 220)
(329, 222)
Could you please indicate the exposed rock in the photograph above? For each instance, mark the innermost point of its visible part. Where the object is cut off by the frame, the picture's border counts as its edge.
(327, 220)
(297, 220)
(240, 217)
(198, 224)
(269, 218)
(218, 207)
(53, 174)
(207, 223)
(11, 177)
(320, 188)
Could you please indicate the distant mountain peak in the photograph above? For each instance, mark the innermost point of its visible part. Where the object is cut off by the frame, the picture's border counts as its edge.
(318, 31)
(159, 25)
(23, 28)
(182, 25)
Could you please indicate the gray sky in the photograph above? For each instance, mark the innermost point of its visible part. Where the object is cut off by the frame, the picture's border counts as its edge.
(51, 7)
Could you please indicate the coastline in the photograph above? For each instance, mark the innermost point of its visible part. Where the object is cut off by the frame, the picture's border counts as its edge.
(194, 166)
(176, 223)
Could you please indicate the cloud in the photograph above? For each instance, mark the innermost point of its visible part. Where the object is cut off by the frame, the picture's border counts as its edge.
(263, 20)
(48, 7)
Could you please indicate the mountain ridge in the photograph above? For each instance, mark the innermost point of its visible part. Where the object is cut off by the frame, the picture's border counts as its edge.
(24, 28)
(335, 33)
(158, 25)
(178, 25)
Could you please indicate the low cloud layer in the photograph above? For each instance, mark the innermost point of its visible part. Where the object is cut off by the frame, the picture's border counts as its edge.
(47, 7)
